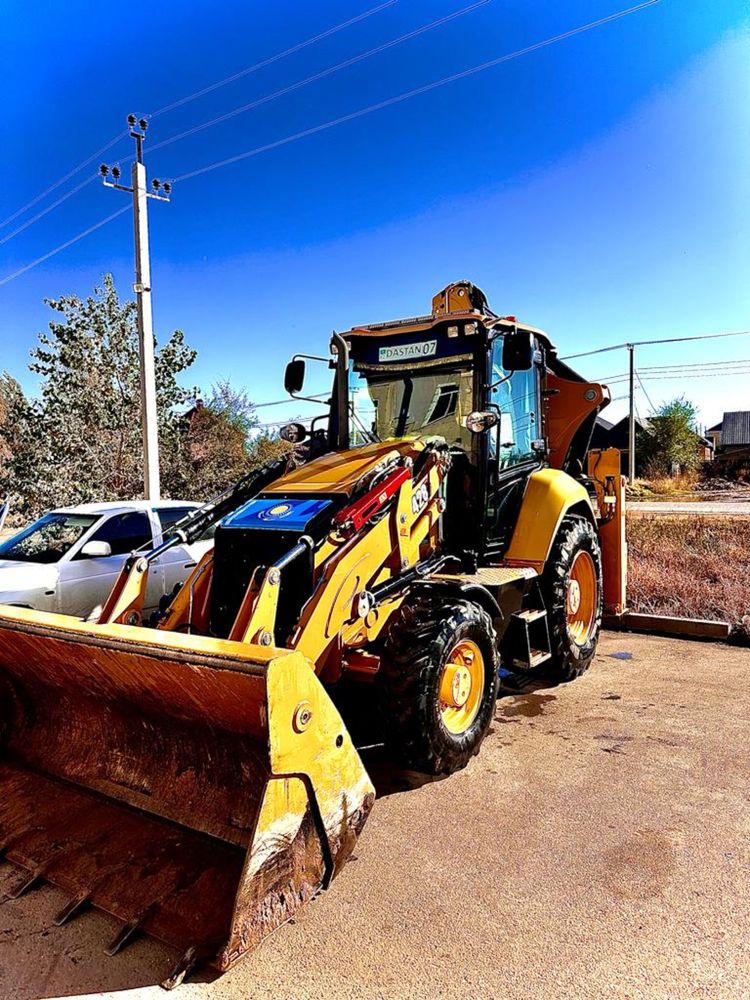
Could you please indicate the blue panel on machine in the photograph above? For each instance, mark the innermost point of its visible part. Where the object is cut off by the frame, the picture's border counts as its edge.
(286, 515)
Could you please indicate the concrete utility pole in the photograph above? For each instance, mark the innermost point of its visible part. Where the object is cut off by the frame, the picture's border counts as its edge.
(142, 288)
(631, 420)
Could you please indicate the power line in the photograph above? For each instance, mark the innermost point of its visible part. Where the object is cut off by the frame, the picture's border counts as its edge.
(66, 177)
(696, 364)
(416, 91)
(63, 246)
(668, 340)
(728, 374)
(727, 365)
(463, 74)
(272, 59)
(687, 375)
(40, 215)
(726, 370)
(278, 402)
(191, 97)
(648, 398)
(320, 75)
(267, 99)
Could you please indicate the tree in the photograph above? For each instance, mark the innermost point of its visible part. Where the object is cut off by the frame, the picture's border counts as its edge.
(81, 439)
(87, 419)
(217, 443)
(18, 446)
(673, 438)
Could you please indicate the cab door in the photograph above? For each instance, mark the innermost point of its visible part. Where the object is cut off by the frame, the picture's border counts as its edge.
(514, 448)
(85, 582)
(179, 561)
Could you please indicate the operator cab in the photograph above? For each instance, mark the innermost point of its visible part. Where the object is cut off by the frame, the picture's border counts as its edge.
(447, 375)
(479, 381)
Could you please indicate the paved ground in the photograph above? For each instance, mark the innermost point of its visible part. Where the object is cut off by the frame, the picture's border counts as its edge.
(597, 848)
(689, 507)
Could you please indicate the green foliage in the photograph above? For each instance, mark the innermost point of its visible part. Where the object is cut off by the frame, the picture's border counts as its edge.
(17, 423)
(673, 439)
(215, 444)
(81, 439)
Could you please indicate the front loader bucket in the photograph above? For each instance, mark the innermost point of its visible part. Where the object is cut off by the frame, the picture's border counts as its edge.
(199, 790)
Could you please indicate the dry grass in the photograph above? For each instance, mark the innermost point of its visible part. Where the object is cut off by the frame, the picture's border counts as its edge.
(669, 485)
(697, 567)
(661, 487)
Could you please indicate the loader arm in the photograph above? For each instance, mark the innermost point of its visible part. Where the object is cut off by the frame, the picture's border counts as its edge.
(125, 602)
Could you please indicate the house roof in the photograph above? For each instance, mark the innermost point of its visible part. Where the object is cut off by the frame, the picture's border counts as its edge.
(643, 423)
(735, 427)
(606, 424)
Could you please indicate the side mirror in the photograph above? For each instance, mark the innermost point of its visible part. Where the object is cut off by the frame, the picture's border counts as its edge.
(95, 550)
(293, 433)
(518, 351)
(481, 420)
(294, 376)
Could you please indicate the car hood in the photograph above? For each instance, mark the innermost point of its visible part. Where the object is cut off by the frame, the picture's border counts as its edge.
(17, 577)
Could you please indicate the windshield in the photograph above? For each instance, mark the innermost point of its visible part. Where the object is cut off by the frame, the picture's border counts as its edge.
(406, 402)
(48, 539)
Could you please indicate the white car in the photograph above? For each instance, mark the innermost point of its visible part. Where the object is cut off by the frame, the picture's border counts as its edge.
(68, 560)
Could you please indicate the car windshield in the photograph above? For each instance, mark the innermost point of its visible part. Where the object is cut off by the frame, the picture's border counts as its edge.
(409, 401)
(48, 539)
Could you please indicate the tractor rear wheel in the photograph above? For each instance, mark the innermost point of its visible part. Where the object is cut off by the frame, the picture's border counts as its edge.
(572, 590)
(438, 682)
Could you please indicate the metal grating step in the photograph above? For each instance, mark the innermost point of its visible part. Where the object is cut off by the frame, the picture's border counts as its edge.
(531, 614)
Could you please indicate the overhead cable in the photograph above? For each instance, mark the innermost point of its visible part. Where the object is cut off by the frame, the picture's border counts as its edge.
(258, 102)
(416, 91)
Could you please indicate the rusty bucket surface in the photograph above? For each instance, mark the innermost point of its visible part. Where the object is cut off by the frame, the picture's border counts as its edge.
(199, 790)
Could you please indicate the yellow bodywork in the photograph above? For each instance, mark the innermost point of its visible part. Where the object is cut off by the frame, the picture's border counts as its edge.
(200, 789)
(549, 495)
(340, 472)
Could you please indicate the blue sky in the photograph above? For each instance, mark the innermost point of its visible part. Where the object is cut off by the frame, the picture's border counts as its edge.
(598, 188)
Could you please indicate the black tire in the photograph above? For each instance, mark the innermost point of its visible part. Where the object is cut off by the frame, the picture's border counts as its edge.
(420, 640)
(571, 655)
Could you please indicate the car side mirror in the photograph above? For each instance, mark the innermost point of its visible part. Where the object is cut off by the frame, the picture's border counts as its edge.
(294, 376)
(481, 420)
(518, 351)
(95, 550)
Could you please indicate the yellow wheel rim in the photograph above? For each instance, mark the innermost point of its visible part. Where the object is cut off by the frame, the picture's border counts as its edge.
(581, 598)
(461, 686)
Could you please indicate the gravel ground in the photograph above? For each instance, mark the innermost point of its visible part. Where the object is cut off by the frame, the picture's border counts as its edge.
(597, 847)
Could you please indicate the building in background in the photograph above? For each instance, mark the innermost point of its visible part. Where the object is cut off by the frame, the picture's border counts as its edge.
(731, 438)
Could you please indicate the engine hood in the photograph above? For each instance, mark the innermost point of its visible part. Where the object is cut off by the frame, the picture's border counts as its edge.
(340, 471)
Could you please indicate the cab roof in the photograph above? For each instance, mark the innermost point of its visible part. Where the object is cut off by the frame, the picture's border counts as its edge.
(123, 505)
(458, 303)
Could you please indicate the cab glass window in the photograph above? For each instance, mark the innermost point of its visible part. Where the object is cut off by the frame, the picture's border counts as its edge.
(48, 539)
(125, 532)
(517, 397)
(169, 516)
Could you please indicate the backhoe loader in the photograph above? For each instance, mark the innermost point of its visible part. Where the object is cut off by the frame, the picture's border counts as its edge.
(192, 774)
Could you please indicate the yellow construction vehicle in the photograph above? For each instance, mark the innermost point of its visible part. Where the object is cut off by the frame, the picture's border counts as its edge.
(445, 518)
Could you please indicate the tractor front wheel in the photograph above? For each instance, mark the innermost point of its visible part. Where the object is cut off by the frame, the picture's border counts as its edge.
(572, 590)
(438, 682)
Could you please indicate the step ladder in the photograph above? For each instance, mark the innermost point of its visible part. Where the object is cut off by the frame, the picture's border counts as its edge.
(526, 645)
